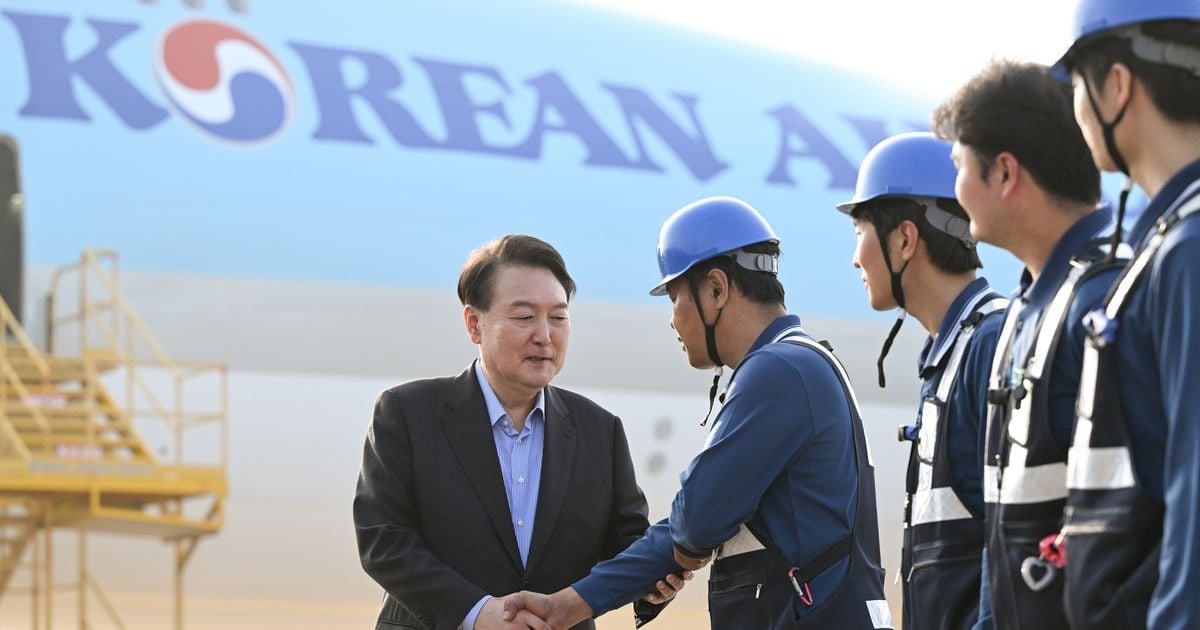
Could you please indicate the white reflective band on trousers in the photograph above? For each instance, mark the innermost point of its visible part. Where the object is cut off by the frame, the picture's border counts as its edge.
(881, 615)
(934, 505)
(1033, 484)
(1099, 468)
(930, 504)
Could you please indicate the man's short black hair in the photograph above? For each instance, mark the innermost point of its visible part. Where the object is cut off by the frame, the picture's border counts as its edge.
(1174, 91)
(1020, 108)
(476, 279)
(947, 253)
(758, 286)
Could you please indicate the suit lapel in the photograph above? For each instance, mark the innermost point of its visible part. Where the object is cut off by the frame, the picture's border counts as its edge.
(465, 421)
(558, 455)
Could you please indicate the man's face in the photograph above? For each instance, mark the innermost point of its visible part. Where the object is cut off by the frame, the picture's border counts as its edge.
(523, 336)
(685, 321)
(976, 194)
(868, 258)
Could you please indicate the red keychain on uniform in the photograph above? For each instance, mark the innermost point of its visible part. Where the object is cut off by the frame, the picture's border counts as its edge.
(802, 591)
(1054, 550)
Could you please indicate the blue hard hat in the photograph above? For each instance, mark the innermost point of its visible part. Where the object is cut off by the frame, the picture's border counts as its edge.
(708, 228)
(1095, 17)
(906, 165)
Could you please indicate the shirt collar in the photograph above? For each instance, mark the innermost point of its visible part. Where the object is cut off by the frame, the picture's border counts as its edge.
(1162, 202)
(960, 309)
(774, 328)
(1039, 292)
(494, 408)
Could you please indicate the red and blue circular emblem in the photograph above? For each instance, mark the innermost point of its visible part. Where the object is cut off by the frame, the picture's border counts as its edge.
(224, 82)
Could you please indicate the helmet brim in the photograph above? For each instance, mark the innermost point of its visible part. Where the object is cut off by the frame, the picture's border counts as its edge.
(660, 289)
(1060, 70)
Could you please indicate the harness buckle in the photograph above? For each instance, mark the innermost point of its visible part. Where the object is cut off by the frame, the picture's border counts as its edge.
(1102, 331)
(1018, 394)
(998, 395)
(802, 591)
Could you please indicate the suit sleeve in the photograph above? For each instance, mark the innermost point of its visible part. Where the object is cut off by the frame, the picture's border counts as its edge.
(386, 523)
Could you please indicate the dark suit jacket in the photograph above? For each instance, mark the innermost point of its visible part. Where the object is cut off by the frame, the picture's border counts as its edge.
(432, 515)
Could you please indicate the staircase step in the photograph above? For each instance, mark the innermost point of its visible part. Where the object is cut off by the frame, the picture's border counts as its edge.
(37, 437)
(58, 374)
(15, 349)
(18, 410)
(37, 440)
(48, 393)
(23, 424)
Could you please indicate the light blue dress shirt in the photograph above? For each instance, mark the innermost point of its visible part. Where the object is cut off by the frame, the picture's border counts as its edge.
(521, 466)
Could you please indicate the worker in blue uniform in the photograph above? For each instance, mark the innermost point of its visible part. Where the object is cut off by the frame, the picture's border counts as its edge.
(1133, 513)
(782, 496)
(1027, 181)
(917, 255)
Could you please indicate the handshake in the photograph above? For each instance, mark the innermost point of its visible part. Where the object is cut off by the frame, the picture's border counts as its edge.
(557, 611)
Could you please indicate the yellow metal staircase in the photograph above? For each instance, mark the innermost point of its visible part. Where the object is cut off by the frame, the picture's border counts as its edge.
(75, 456)
(18, 526)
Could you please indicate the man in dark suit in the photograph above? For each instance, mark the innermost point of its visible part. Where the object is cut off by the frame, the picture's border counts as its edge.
(494, 481)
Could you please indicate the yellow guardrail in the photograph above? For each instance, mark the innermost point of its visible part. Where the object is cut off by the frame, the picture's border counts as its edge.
(12, 446)
(121, 331)
(10, 325)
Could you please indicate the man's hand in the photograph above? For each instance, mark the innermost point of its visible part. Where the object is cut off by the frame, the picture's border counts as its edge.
(691, 563)
(560, 610)
(525, 620)
(668, 587)
(491, 618)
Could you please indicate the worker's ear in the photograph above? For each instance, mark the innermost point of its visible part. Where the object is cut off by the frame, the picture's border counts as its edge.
(908, 235)
(718, 288)
(471, 321)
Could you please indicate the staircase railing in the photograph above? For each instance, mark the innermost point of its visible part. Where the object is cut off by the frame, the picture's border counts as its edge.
(10, 378)
(121, 333)
(11, 446)
(10, 326)
(25, 528)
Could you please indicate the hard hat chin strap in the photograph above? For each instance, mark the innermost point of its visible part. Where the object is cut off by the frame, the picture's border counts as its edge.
(1110, 144)
(1108, 127)
(710, 338)
(901, 312)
